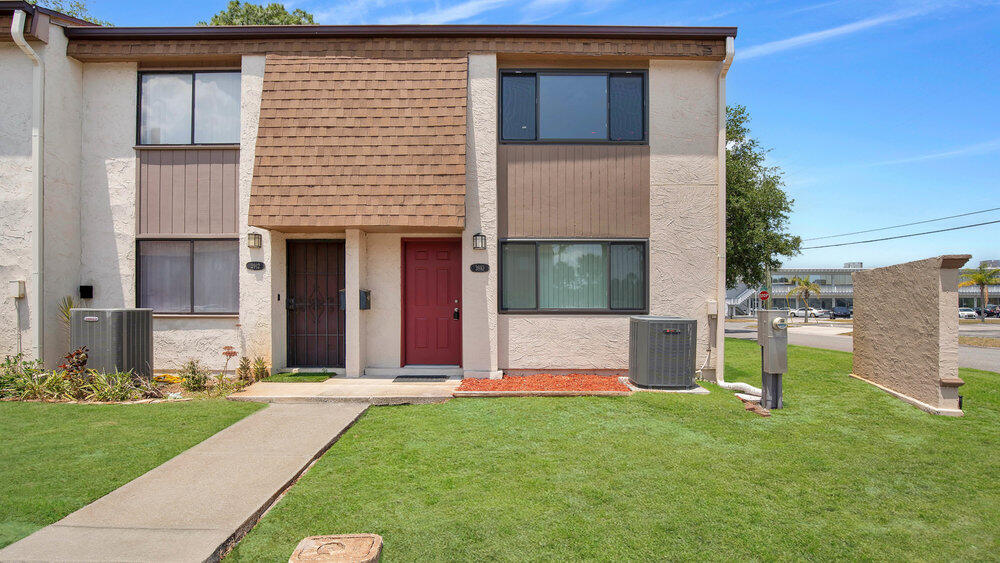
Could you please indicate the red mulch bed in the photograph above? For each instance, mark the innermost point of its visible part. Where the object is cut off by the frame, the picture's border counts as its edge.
(545, 382)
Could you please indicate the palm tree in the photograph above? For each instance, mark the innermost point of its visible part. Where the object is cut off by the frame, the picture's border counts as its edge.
(804, 288)
(983, 277)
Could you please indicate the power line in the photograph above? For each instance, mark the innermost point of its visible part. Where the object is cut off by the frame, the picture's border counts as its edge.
(901, 236)
(904, 224)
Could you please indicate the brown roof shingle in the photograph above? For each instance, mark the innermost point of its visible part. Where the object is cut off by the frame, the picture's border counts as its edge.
(360, 142)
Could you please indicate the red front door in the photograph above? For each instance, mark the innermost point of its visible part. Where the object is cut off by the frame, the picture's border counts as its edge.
(432, 302)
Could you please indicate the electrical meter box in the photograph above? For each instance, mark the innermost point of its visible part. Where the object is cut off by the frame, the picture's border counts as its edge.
(772, 336)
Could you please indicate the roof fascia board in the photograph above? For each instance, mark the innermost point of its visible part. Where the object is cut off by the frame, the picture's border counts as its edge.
(347, 31)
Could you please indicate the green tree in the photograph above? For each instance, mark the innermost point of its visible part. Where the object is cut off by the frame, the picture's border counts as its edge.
(983, 277)
(76, 8)
(245, 13)
(757, 207)
(805, 289)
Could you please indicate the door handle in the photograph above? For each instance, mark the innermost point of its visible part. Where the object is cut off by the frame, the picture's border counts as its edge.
(290, 303)
(455, 315)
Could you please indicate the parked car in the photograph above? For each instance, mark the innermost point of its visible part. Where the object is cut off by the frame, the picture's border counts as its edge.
(813, 313)
(990, 310)
(967, 313)
(841, 312)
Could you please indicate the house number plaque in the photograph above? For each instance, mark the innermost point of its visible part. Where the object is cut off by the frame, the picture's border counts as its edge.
(480, 268)
(255, 265)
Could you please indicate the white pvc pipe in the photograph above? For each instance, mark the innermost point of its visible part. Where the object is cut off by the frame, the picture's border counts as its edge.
(37, 176)
(726, 63)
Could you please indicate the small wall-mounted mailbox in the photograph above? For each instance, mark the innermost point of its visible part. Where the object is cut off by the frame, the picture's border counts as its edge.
(15, 289)
(365, 299)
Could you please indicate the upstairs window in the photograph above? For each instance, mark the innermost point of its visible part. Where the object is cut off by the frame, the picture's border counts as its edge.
(186, 108)
(573, 106)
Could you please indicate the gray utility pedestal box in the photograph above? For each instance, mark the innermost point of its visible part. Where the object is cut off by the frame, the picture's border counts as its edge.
(116, 339)
(772, 336)
(662, 351)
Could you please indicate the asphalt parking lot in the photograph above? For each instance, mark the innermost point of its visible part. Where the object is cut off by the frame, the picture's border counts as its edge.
(829, 336)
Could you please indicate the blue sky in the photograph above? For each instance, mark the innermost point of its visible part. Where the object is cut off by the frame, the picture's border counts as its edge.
(879, 113)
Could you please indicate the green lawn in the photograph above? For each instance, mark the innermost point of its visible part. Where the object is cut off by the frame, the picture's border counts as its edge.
(297, 377)
(56, 458)
(843, 472)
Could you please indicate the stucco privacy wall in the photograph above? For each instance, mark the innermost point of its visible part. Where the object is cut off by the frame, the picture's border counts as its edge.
(256, 293)
(684, 239)
(480, 325)
(15, 198)
(906, 331)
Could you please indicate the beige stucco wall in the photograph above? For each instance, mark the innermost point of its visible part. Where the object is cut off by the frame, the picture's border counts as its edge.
(480, 323)
(15, 196)
(107, 171)
(62, 145)
(906, 329)
(256, 292)
(685, 269)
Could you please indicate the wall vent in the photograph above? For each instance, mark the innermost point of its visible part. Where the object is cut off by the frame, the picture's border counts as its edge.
(662, 351)
(116, 339)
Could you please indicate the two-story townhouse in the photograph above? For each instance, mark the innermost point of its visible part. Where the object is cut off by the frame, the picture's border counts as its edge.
(366, 199)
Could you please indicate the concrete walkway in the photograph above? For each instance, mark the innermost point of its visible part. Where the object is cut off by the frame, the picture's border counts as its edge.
(372, 390)
(194, 506)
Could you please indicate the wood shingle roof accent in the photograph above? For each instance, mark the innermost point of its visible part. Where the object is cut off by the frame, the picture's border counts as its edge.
(110, 49)
(360, 142)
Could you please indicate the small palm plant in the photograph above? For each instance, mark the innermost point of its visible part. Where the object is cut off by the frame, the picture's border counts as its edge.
(804, 288)
(983, 277)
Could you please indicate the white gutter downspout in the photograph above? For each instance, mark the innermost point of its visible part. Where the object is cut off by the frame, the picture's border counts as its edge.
(721, 265)
(37, 161)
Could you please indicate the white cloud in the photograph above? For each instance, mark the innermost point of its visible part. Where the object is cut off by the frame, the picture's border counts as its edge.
(772, 47)
(351, 12)
(447, 14)
(969, 150)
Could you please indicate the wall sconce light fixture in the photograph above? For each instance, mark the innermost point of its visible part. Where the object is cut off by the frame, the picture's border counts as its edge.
(254, 240)
(479, 241)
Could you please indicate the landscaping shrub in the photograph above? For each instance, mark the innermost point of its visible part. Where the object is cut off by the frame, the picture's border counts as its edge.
(14, 368)
(243, 371)
(259, 370)
(195, 378)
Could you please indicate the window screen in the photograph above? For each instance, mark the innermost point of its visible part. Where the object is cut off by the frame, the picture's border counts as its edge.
(518, 276)
(626, 107)
(518, 97)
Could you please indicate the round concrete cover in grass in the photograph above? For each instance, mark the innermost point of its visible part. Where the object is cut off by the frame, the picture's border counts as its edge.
(360, 548)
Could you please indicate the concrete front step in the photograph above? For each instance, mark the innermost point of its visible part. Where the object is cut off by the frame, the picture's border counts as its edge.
(375, 391)
(450, 371)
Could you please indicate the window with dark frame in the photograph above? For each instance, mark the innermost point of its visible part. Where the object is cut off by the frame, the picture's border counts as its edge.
(578, 276)
(188, 108)
(578, 107)
(199, 276)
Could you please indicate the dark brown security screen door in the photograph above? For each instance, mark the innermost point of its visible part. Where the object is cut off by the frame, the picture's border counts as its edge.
(316, 323)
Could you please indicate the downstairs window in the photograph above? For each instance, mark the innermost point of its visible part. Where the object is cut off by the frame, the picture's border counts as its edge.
(189, 276)
(573, 276)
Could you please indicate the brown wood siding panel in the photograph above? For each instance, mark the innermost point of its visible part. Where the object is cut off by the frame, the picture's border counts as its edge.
(573, 191)
(188, 191)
